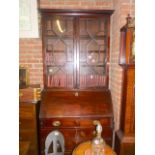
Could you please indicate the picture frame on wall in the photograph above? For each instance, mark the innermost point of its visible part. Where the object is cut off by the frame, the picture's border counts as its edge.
(23, 77)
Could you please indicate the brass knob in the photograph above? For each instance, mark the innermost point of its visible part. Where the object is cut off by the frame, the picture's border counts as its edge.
(56, 123)
(95, 122)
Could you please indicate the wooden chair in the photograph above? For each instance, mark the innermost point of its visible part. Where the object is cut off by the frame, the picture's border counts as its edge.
(56, 139)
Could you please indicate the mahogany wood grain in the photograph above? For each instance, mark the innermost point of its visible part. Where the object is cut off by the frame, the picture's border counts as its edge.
(87, 103)
(125, 136)
(28, 129)
(76, 111)
(24, 147)
(72, 108)
(77, 12)
(30, 94)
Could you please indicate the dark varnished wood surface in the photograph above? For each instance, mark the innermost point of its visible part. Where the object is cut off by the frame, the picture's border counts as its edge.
(24, 147)
(125, 136)
(76, 115)
(28, 126)
(75, 110)
(77, 12)
(66, 104)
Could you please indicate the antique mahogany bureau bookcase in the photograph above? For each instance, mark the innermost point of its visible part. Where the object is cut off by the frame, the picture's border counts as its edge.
(76, 71)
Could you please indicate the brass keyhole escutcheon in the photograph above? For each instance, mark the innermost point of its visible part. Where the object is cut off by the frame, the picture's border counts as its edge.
(76, 94)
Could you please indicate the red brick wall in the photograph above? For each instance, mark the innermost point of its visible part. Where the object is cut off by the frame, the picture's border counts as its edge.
(76, 4)
(122, 9)
(30, 55)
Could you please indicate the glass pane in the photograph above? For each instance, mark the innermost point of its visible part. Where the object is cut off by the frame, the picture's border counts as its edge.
(93, 51)
(59, 51)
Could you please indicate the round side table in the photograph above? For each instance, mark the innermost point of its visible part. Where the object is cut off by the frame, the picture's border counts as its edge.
(84, 147)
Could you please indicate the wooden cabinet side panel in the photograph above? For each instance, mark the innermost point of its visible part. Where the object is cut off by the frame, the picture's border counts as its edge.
(129, 112)
(28, 126)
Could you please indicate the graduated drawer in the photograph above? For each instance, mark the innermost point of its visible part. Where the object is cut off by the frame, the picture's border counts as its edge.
(89, 122)
(89, 133)
(58, 122)
(74, 122)
(26, 123)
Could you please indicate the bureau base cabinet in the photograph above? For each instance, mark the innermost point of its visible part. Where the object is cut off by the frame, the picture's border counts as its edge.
(73, 114)
(28, 126)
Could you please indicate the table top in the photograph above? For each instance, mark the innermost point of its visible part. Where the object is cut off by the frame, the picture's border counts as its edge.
(85, 149)
(23, 147)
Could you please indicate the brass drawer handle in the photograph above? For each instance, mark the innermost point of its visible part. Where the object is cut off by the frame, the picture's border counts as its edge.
(56, 123)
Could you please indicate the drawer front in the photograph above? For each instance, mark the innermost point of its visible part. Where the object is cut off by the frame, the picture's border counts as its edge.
(73, 122)
(58, 122)
(88, 134)
(106, 122)
(75, 130)
(75, 136)
(26, 124)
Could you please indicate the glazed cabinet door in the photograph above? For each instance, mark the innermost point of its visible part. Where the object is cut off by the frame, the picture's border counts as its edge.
(59, 52)
(93, 51)
(76, 51)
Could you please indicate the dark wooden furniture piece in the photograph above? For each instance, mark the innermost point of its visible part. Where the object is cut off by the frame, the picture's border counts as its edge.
(85, 149)
(31, 93)
(28, 126)
(125, 136)
(73, 113)
(24, 147)
(76, 73)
